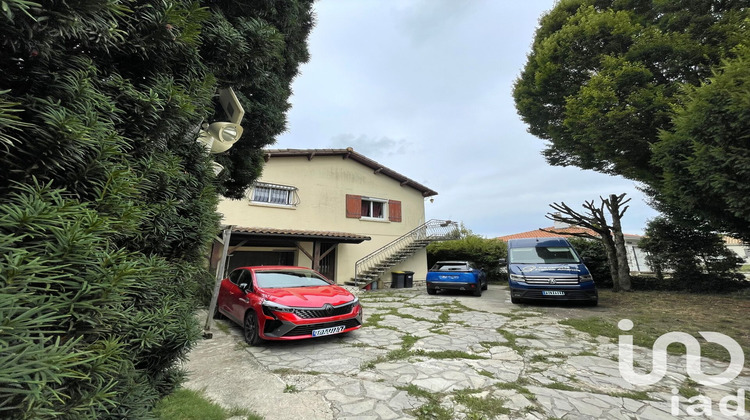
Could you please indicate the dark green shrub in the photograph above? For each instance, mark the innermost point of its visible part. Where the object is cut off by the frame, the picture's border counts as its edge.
(486, 253)
(107, 202)
(690, 259)
(596, 260)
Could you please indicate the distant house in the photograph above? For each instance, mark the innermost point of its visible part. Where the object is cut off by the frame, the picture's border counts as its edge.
(636, 256)
(333, 210)
(738, 247)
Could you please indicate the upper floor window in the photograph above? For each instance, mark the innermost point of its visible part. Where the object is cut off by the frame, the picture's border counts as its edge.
(360, 207)
(372, 207)
(274, 194)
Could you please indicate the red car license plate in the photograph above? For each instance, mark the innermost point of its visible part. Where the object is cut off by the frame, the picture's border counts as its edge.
(327, 331)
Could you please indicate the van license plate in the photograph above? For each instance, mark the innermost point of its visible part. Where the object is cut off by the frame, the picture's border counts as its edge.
(327, 331)
(552, 293)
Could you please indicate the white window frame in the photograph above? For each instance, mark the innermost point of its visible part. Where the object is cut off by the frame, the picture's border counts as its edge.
(371, 200)
(274, 191)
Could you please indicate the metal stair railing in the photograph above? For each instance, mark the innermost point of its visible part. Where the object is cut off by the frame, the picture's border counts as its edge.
(431, 231)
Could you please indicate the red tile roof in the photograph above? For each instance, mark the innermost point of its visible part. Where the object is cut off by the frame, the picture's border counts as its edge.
(349, 153)
(559, 232)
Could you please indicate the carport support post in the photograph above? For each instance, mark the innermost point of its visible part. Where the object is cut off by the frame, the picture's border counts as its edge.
(219, 277)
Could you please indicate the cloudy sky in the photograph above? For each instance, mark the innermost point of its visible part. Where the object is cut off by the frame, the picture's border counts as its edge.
(424, 87)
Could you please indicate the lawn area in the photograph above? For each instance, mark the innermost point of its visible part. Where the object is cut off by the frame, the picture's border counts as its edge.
(186, 404)
(656, 313)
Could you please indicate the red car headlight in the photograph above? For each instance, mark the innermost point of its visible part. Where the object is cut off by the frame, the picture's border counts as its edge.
(270, 307)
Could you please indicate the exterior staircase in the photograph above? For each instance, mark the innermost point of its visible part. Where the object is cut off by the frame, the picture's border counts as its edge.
(370, 268)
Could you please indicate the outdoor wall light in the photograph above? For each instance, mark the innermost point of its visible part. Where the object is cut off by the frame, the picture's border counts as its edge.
(220, 136)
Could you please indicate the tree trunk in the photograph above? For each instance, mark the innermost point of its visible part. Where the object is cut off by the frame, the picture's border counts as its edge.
(623, 268)
(609, 246)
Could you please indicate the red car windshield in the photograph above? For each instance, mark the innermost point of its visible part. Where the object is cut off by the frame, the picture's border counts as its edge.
(291, 278)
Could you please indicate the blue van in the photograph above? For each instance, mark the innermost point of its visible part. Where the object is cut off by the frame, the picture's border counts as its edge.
(549, 269)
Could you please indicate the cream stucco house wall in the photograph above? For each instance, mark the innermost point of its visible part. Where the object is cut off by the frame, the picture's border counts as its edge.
(309, 202)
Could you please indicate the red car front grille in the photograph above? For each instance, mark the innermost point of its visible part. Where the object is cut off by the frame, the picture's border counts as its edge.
(323, 313)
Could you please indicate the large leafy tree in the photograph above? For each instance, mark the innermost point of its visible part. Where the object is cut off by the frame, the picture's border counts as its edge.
(107, 203)
(705, 159)
(604, 76)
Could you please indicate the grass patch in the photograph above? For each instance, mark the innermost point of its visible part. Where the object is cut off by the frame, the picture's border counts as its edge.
(408, 341)
(444, 317)
(416, 391)
(186, 404)
(405, 353)
(518, 315)
(290, 371)
(373, 320)
(519, 387)
(633, 395)
(656, 312)
(291, 389)
(689, 388)
(451, 354)
(222, 327)
(486, 373)
(432, 409)
(593, 326)
(511, 340)
(539, 358)
(562, 387)
(487, 407)
(546, 358)
(241, 345)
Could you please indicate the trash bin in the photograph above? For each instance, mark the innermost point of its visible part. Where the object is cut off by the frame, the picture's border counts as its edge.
(397, 279)
(408, 279)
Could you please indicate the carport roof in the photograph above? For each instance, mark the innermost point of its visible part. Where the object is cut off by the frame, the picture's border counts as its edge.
(295, 234)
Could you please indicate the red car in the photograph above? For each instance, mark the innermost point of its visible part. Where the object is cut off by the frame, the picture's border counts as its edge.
(286, 303)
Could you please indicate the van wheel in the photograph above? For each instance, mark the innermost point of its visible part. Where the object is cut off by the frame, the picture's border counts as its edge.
(431, 291)
(594, 302)
(485, 285)
(478, 291)
(515, 300)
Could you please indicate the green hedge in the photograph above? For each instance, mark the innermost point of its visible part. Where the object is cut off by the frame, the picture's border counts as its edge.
(486, 253)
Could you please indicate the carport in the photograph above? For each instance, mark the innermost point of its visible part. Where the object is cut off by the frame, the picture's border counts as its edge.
(271, 245)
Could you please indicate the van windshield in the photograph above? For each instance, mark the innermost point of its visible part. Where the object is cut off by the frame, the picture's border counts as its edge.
(543, 255)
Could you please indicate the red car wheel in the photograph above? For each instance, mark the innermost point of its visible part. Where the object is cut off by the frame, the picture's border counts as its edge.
(252, 333)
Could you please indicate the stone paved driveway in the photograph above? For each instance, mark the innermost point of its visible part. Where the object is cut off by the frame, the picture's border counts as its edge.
(448, 356)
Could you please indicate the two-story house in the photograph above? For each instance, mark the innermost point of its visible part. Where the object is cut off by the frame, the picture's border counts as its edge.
(329, 209)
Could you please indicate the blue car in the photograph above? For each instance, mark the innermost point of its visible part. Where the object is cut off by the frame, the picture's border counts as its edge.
(456, 275)
(548, 269)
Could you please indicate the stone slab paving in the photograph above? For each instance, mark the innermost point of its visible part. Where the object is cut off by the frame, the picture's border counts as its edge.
(455, 357)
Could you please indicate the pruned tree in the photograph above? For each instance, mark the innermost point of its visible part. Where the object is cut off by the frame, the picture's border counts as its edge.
(594, 219)
(615, 205)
